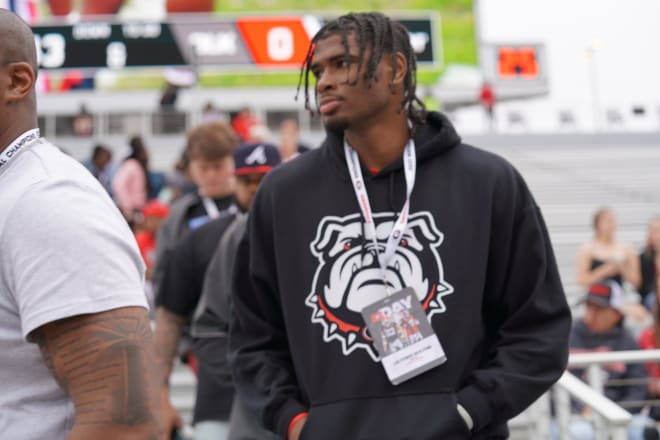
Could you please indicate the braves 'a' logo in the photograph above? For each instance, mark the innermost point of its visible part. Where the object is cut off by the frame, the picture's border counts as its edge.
(348, 276)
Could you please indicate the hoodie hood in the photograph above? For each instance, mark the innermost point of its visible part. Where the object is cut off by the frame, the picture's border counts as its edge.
(436, 136)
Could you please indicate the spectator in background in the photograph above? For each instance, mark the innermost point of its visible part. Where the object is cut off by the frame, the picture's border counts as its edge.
(211, 113)
(169, 121)
(650, 340)
(649, 261)
(213, 314)
(153, 215)
(130, 184)
(99, 166)
(243, 123)
(260, 133)
(487, 100)
(603, 258)
(289, 144)
(210, 151)
(601, 329)
(169, 97)
(83, 122)
(178, 182)
(180, 295)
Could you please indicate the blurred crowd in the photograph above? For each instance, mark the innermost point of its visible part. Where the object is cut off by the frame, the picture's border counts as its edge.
(621, 312)
(133, 184)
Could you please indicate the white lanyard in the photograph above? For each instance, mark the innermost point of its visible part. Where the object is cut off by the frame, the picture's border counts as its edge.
(410, 170)
(211, 208)
(22, 141)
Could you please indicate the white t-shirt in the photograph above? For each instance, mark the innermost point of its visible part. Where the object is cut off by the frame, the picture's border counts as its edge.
(65, 250)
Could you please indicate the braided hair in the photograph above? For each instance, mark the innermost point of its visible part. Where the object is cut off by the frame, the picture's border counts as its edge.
(385, 38)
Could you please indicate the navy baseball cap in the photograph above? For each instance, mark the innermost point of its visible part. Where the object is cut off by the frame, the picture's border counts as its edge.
(258, 157)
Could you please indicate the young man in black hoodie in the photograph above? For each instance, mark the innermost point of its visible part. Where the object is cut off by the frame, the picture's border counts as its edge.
(456, 224)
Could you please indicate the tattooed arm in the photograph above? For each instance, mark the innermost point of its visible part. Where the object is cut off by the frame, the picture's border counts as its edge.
(166, 340)
(105, 363)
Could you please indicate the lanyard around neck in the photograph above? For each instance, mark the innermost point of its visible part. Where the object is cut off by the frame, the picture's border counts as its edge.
(214, 213)
(410, 170)
(211, 208)
(21, 142)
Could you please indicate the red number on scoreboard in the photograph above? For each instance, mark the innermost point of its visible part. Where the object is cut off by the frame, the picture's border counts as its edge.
(517, 62)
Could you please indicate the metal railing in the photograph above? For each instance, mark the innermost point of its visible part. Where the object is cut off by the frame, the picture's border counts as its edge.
(611, 420)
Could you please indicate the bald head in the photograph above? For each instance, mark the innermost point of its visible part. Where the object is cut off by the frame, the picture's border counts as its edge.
(18, 72)
(16, 40)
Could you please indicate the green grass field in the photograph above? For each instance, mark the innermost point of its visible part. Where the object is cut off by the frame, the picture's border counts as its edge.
(456, 28)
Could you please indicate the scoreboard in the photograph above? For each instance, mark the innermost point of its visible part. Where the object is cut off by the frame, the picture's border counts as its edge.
(516, 69)
(261, 42)
(518, 62)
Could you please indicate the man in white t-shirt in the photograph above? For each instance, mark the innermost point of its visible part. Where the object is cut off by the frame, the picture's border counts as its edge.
(76, 356)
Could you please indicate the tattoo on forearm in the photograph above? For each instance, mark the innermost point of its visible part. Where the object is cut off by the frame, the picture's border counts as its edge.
(103, 362)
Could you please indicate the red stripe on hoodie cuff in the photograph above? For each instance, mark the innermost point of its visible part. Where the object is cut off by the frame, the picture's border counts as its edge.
(477, 404)
(295, 420)
(286, 413)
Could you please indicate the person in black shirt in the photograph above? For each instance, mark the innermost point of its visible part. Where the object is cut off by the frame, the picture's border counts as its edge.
(179, 295)
(649, 261)
(210, 151)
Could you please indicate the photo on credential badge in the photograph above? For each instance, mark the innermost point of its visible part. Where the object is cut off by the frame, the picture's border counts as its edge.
(403, 336)
(393, 326)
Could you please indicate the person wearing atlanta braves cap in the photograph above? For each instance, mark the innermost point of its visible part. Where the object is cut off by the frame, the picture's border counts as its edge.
(185, 295)
(76, 347)
(602, 329)
(214, 311)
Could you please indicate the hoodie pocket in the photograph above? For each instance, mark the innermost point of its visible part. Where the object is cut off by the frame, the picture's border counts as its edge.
(412, 417)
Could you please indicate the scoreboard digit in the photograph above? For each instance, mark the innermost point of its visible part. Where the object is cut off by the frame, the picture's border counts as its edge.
(517, 62)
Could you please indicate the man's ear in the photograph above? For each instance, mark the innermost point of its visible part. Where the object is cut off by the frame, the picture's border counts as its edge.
(401, 64)
(401, 68)
(21, 81)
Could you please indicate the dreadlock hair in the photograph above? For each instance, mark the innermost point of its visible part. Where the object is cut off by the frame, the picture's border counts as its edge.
(385, 38)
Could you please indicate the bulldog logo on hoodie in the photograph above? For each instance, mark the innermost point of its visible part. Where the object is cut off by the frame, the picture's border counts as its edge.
(348, 276)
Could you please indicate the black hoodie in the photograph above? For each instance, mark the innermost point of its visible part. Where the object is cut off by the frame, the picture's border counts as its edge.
(478, 254)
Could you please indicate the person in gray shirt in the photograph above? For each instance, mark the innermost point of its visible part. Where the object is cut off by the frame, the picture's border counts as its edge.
(76, 346)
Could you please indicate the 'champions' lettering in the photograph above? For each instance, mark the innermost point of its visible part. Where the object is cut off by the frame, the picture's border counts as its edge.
(26, 139)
